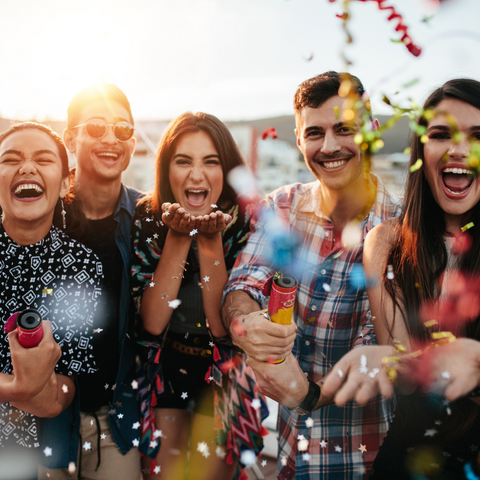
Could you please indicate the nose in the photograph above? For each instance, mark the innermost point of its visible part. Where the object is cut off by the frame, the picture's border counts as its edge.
(460, 149)
(109, 138)
(196, 173)
(28, 167)
(331, 144)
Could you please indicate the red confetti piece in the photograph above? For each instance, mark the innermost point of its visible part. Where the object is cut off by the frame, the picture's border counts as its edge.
(269, 131)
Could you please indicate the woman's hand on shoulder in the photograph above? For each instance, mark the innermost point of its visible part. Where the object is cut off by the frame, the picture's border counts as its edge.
(213, 223)
(178, 219)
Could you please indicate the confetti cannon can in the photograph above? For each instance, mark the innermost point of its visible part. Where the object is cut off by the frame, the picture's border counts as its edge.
(29, 327)
(282, 300)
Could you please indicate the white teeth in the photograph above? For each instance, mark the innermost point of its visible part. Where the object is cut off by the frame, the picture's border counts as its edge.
(457, 171)
(334, 164)
(457, 193)
(107, 154)
(196, 191)
(28, 186)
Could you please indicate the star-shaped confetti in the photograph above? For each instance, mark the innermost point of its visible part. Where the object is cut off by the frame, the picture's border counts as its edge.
(136, 425)
(220, 451)
(156, 469)
(134, 385)
(306, 457)
(87, 446)
(309, 422)
(106, 386)
(446, 375)
(323, 444)
(47, 451)
(149, 219)
(363, 364)
(118, 404)
(184, 395)
(98, 330)
(149, 240)
(155, 236)
(217, 263)
(302, 445)
(167, 213)
(213, 205)
(206, 279)
(283, 460)
(153, 444)
(264, 463)
(151, 284)
(362, 448)
(136, 442)
(256, 403)
(193, 232)
(64, 388)
(338, 448)
(174, 303)
(340, 373)
(248, 457)
(430, 432)
(157, 433)
(103, 436)
(120, 416)
(202, 447)
(211, 344)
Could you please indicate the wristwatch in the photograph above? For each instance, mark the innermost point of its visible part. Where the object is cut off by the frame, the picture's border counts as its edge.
(310, 400)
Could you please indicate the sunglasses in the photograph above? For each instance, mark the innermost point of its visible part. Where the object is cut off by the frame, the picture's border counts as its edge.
(97, 128)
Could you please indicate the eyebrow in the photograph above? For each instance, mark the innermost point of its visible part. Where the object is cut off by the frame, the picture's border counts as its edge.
(183, 155)
(117, 119)
(446, 128)
(35, 154)
(335, 126)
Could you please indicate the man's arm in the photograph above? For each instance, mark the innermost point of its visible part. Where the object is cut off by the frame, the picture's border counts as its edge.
(253, 332)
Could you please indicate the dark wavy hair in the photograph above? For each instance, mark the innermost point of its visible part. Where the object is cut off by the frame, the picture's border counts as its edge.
(419, 256)
(76, 221)
(228, 152)
(315, 91)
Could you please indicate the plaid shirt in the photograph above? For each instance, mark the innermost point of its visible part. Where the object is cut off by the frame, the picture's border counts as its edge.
(332, 315)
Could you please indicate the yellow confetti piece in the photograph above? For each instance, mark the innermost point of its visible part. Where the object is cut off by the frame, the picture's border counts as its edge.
(310, 320)
(358, 138)
(417, 165)
(348, 115)
(407, 151)
(337, 113)
(198, 325)
(424, 138)
(467, 226)
(345, 88)
(430, 323)
(47, 291)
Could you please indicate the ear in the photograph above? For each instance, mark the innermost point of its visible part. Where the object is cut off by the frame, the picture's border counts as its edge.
(375, 124)
(298, 138)
(65, 186)
(133, 142)
(69, 140)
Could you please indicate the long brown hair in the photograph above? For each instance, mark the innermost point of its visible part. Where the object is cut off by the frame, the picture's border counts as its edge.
(76, 224)
(419, 256)
(225, 145)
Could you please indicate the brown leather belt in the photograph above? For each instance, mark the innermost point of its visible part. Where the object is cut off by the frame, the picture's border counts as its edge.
(204, 352)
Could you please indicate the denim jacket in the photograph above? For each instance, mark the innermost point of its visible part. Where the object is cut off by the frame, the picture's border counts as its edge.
(62, 433)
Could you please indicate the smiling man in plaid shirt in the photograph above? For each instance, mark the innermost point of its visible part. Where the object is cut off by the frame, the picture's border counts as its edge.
(317, 439)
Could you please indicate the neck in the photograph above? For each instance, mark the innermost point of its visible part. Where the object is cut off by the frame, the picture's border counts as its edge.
(26, 232)
(99, 199)
(453, 223)
(344, 206)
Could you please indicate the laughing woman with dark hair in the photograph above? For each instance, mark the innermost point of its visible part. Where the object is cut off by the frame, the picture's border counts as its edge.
(426, 264)
(41, 268)
(187, 236)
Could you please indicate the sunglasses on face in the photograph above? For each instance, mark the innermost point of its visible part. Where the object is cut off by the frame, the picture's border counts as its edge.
(97, 128)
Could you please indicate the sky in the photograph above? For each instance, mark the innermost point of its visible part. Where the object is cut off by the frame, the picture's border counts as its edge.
(236, 59)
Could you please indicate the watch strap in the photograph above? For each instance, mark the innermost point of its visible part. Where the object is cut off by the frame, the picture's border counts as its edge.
(310, 400)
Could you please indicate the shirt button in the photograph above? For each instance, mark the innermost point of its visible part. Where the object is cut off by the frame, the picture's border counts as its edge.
(313, 307)
(307, 343)
(323, 271)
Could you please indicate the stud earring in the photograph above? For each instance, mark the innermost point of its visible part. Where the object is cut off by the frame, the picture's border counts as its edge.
(64, 214)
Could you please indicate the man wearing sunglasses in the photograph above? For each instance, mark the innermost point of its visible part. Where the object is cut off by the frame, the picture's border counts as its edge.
(99, 431)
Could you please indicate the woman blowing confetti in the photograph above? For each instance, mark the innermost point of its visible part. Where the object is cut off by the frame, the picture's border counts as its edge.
(41, 268)
(187, 235)
(426, 265)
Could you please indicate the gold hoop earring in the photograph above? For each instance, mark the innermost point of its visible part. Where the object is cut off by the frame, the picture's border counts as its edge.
(64, 214)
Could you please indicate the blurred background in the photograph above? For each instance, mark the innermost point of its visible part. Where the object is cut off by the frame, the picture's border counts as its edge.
(239, 60)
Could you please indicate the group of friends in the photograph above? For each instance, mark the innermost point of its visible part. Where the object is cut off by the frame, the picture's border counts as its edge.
(156, 348)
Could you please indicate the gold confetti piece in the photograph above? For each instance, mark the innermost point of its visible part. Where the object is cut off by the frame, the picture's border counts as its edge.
(198, 325)
(430, 323)
(47, 291)
(467, 226)
(424, 138)
(310, 320)
(417, 165)
(358, 138)
(407, 151)
(337, 114)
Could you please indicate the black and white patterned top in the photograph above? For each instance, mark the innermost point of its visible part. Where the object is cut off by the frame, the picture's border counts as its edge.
(61, 278)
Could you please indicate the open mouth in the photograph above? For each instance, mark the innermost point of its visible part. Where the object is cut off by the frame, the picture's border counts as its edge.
(196, 197)
(331, 164)
(457, 180)
(28, 190)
